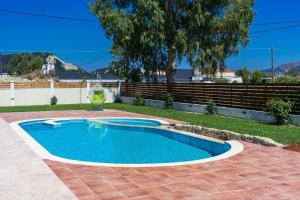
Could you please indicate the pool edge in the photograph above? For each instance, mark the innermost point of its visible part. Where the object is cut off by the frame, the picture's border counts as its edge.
(39, 150)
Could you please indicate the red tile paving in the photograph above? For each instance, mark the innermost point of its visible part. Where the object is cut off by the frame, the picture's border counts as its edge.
(256, 173)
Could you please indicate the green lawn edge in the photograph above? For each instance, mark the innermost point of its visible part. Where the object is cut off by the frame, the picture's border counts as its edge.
(286, 134)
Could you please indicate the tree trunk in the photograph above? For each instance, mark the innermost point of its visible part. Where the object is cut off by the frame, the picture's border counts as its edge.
(170, 70)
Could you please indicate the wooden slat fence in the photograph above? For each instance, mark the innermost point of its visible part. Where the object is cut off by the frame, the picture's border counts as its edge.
(245, 96)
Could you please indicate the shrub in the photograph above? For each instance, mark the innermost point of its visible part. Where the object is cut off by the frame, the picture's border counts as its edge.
(211, 107)
(117, 100)
(279, 109)
(138, 99)
(221, 80)
(53, 100)
(168, 98)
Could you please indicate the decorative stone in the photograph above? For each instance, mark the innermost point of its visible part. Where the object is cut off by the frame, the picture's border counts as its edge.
(227, 135)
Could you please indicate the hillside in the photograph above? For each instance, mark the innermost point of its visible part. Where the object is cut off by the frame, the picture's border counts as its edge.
(283, 69)
(60, 65)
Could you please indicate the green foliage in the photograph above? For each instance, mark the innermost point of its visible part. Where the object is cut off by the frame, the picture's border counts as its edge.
(135, 75)
(286, 79)
(168, 99)
(211, 107)
(285, 134)
(118, 100)
(256, 76)
(156, 34)
(293, 72)
(279, 109)
(245, 74)
(221, 80)
(98, 97)
(53, 100)
(138, 99)
(22, 64)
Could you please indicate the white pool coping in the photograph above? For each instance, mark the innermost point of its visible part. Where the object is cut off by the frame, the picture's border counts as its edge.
(236, 147)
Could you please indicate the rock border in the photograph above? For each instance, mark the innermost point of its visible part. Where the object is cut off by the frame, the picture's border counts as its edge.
(227, 135)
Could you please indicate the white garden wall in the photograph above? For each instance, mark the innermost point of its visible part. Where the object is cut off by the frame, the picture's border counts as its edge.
(41, 96)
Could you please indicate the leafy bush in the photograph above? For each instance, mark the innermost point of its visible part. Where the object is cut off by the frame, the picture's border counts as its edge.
(245, 74)
(257, 76)
(117, 100)
(286, 79)
(211, 107)
(279, 109)
(168, 98)
(221, 80)
(53, 100)
(138, 99)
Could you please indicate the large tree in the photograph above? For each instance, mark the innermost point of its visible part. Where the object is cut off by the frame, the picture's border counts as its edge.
(22, 64)
(205, 32)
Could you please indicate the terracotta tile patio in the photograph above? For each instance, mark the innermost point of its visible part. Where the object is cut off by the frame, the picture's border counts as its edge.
(256, 173)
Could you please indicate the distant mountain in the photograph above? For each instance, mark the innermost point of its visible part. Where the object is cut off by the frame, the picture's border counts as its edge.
(101, 70)
(283, 69)
(60, 65)
(105, 73)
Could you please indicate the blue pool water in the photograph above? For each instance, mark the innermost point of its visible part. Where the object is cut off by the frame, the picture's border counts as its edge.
(132, 121)
(85, 140)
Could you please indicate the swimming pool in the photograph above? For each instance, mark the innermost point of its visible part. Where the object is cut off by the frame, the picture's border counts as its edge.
(133, 121)
(120, 142)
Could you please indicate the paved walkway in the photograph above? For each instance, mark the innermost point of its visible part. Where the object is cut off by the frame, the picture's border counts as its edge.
(256, 173)
(23, 175)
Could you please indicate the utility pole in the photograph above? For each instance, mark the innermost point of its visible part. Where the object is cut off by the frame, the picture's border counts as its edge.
(273, 68)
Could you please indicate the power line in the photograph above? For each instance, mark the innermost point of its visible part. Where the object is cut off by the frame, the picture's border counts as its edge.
(257, 48)
(276, 29)
(93, 61)
(48, 16)
(97, 21)
(276, 23)
(50, 51)
(289, 52)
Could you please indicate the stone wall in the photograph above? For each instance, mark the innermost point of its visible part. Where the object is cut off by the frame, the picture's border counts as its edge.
(226, 135)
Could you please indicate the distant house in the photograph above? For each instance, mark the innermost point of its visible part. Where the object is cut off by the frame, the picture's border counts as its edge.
(229, 75)
(49, 67)
(191, 75)
(78, 77)
(181, 76)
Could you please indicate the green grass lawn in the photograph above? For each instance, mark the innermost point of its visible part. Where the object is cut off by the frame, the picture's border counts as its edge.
(48, 108)
(282, 134)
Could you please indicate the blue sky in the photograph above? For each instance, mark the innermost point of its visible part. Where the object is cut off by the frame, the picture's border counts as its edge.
(33, 33)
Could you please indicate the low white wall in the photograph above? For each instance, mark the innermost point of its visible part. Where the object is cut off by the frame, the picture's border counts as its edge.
(70, 95)
(41, 96)
(25, 97)
(229, 112)
(4, 97)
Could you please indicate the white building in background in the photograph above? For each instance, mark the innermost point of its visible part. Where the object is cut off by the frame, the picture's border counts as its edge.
(226, 74)
(49, 67)
(229, 75)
